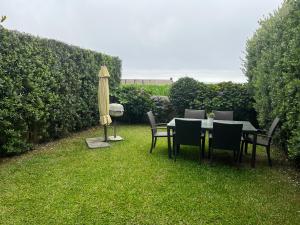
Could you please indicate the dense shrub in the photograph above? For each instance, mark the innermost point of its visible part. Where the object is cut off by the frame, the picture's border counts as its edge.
(182, 94)
(273, 67)
(136, 101)
(47, 89)
(226, 96)
(163, 109)
(189, 93)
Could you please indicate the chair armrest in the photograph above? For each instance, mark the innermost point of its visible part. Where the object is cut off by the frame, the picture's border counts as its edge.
(261, 131)
(264, 135)
(155, 128)
(160, 127)
(161, 124)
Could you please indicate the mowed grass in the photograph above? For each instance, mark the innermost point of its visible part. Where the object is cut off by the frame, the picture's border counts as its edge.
(154, 89)
(64, 182)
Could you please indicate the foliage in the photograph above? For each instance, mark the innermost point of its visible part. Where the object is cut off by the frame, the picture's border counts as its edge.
(153, 89)
(210, 115)
(136, 101)
(163, 109)
(226, 96)
(3, 18)
(189, 93)
(272, 65)
(64, 183)
(182, 93)
(47, 89)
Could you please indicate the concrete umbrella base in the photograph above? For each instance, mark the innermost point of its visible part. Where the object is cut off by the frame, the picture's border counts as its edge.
(115, 138)
(97, 142)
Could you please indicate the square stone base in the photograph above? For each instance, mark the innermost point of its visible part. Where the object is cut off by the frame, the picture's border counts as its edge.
(97, 142)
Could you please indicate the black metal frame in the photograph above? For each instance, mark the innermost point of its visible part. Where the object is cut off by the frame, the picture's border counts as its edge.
(154, 127)
(223, 115)
(187, 133)
(226, 137)
(194, 113)
(264, 138)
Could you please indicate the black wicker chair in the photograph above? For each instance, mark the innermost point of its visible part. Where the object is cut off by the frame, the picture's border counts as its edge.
(226, 137)
(264, 138)
(187, 132)
(154, 129)
(223, 115)
(194, 114)
(220, 115)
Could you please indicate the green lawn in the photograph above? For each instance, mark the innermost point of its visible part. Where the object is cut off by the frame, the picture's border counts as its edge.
(66, 183)
(154, 89)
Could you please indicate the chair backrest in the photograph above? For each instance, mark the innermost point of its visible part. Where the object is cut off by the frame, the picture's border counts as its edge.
(273, 127)
(227, 136)
(152, 120)
(223, 115)
(194, 113)
(188, 132)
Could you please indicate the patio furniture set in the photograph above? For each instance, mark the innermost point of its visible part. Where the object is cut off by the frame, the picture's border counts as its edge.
(224, 133)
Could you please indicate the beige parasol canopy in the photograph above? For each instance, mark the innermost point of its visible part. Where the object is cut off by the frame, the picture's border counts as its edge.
(103, 96)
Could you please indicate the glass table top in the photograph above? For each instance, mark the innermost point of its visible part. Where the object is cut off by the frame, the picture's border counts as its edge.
(207, 125)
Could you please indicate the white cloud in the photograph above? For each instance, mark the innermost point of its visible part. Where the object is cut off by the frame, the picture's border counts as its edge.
(156, 35)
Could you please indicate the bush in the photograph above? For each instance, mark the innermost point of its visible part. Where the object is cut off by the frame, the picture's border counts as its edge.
(136, 101)
(163, 109)
(189, 93)
(182, 94)
(226, 96)
(273, 66)
(47, 89)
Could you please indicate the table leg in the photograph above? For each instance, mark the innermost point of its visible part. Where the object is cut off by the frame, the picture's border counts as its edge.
(254, 151)
(169, 143)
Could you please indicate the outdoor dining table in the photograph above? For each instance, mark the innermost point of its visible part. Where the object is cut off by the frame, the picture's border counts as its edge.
(248, 128)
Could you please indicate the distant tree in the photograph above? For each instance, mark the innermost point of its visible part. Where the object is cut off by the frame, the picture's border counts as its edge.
(3, 18)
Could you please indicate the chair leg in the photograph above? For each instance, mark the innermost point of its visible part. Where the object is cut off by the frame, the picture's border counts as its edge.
(269, 155)
(246, 147)
(174, 146)
(155, 139)
(152, 144)
(203, 147)
(241, 154)
(242, 147)
(209, 148)
(175, 151)
(238, 157)
(200, 153)
(210, 154)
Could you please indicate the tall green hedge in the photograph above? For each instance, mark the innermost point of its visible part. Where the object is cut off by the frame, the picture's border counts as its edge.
(47, 89)
(273, 67)
(136, 101)
(189, 93)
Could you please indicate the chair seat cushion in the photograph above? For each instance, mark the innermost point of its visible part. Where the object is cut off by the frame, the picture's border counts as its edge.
(261, 140)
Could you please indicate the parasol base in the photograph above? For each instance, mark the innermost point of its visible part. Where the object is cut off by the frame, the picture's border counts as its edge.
(97, 142)
(115, 138)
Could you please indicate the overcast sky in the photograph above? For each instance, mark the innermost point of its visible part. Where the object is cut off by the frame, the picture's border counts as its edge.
(160, 39)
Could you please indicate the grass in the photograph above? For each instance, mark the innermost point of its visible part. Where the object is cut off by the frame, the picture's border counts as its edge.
(64, 182)
(160, 90)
